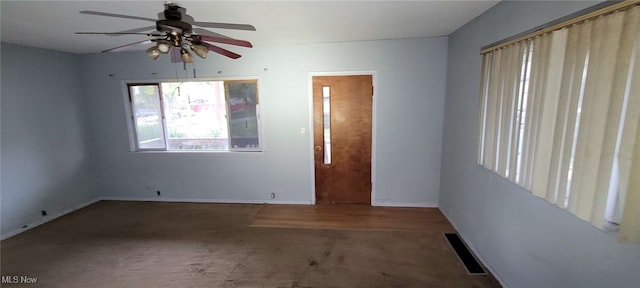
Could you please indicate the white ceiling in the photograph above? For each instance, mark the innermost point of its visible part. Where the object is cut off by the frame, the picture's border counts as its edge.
(51, 24)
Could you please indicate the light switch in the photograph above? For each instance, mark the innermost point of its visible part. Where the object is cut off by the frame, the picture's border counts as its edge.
(302, 130)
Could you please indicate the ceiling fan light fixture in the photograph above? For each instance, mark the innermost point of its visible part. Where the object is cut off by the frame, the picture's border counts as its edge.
(153, 53)
(186, 56)
(200, 50)
(164, 46)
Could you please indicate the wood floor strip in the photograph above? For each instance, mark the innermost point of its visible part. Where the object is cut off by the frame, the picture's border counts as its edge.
(357, 217)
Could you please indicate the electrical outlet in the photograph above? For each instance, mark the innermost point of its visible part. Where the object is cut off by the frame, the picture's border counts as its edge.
(273, 195)
(43, 212)
(158, 192)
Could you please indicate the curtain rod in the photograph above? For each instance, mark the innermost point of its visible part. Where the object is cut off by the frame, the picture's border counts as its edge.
(580, 16)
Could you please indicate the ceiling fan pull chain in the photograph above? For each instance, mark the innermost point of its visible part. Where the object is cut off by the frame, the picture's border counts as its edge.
(186, 72)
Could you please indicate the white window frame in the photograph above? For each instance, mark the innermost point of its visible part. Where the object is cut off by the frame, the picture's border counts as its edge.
(132, 128)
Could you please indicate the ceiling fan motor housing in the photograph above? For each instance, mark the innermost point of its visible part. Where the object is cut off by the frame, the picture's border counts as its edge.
(173, 19)
(172, 12)
(182, 27)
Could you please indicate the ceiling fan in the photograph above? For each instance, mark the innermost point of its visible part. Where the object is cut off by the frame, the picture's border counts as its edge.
(175, 32)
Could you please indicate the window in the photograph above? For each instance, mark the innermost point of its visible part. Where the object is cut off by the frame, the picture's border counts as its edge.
(559, 115)
(326, 115)
(196, 115)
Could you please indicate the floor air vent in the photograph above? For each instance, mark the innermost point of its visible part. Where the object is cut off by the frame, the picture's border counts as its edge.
(468, 260)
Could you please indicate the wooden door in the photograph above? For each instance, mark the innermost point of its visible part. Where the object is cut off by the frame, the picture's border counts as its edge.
(342, 111)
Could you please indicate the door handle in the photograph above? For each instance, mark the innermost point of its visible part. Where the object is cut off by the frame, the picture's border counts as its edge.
(317, 148)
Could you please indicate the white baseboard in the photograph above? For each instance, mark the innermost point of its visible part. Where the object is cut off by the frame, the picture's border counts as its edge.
(401, 204)
(48, 218)
(476, 252)
(279, 202)
(198, 200)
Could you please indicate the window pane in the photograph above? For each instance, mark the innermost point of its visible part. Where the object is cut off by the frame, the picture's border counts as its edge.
(242, 96)
(148, 117)
(195, 113)
(326, 111)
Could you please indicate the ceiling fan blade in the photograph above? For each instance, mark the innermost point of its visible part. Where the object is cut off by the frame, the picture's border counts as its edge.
(128, 46)
(116, 15)
(117, 33)
(229, 41)
(141, 29)
(201, 31)
(219, 50)
(246, 27)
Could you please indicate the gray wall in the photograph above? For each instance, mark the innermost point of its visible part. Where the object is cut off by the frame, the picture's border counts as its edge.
(408, 134)
(525, 240)
(45, 152)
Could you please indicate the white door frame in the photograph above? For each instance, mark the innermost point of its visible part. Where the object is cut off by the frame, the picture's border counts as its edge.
(373, 128)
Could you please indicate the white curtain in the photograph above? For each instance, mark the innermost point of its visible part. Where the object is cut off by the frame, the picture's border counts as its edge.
(559, 116)
(501, 105)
